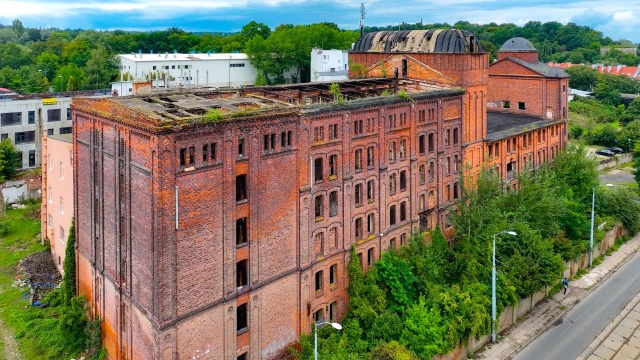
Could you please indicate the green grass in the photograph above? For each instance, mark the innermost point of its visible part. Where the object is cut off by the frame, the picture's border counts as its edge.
(35, 328)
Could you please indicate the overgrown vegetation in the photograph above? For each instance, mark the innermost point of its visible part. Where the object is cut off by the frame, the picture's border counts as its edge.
(53, 332)
(213, 116)
(425, 298)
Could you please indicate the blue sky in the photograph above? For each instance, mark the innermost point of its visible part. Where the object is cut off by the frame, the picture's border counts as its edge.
(616, 19)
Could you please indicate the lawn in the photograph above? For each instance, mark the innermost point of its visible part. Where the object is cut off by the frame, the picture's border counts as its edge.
(35, 328)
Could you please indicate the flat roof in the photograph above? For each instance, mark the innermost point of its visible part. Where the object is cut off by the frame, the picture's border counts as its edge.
(68, 138)
(502, 125)
(137, 57)
(170, 111)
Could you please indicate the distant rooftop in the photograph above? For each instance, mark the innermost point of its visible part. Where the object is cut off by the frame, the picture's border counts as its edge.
(139, 57)
(518, 44)
(504, 125)
(426, 41)
(68, 138)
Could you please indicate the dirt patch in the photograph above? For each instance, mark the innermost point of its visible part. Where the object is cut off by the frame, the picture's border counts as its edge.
(10, 349)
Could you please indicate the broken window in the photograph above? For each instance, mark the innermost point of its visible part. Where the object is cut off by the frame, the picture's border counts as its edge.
(521, 106)
(421, 174)
(403, 146)
(241, 188)
(333, 167)
(183, 157)
(358, 127)
(403, 211)
(317, 169)
(333, 131)
(370, 157)
(447, 165)
(392, 151)
(205, 152)
(392, 183)
(431, 171)
(241, 231)
(319, 245)
(319, 207)
(371, 223)
(242, 273)
(392, 215)
(242, 317)
(241, 147)
(506, 104)
(358, 228)
(357, 194)
(370, 257)
(403, 180)
(333, 237)
(455, 136)
(431, 144)
(370, 190)
(358, 160)
(318, 133)
(421, 144)
(333, 203)
(447, 137)
(213, 152)
(333, 274)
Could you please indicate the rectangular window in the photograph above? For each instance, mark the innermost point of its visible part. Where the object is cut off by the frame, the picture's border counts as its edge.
(521, 106)
(242, 318)
(431, 144)
(50, 131)
(403, 238)
(421, 144)
(61, 233)
(370, 157)
(333, 311)
(61, 167)
(318, 281)
(241, 188)
(455, 136)
(25, 137)
(333, 203)
(506, 104)
(213, 152)
(333, 167)
(242, 273)
(392, 215)
(192, 155)
(357, 194)
(392, 151)
(61, 205)
(317, 170)
(392, 183)
(447, 137)
(358, 160)
(32, 158)
(183, 156)
(403, 180)
(447, 165)
(358, 127)
(68, 113)
(403, 211)
(241, 147)
(319, 244)
(333, 274)
(283, 139)
(358, 228)
(371, 223)
(431, 171)
(370, 190)
(319, 207)
(205, 152)
(333, 131)
(241, 231)
(403, 147)
(421, 174)
(66, 130)
(13, 118)
(318, 316)
(32, 117)
(318, 133)
(53, 115)
(392, 243)
(333, 237)
(370, 257)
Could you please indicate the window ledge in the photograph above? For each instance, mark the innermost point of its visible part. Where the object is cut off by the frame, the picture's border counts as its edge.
(242, 201)
(243, 244)
(319, 218)
(242, 331)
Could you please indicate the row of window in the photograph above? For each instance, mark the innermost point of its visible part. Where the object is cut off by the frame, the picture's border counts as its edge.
(166, 67)
(25, 137)
(506, 104)
(15, 118)
(269, 141)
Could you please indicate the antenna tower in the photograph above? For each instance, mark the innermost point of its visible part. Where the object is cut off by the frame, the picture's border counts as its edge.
(362, 19)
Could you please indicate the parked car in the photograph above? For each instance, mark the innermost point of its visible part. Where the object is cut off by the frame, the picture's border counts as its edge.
(615, 150)
(605, 152)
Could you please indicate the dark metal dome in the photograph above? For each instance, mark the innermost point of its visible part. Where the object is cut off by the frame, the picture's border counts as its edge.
(427, 41)
(518, 44)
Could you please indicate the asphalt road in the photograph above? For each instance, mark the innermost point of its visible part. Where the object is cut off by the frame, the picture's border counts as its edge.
(582, 324)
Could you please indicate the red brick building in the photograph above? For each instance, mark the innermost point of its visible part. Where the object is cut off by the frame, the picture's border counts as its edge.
(226, 237)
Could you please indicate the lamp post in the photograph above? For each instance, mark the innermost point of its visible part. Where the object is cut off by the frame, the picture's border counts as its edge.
(593, 207)
(315, 338)
(493, 284)
(62, 86)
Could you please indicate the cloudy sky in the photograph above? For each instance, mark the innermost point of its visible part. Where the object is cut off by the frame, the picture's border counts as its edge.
(616, 19)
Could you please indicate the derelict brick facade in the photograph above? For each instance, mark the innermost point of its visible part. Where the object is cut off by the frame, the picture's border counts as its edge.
(229, 238)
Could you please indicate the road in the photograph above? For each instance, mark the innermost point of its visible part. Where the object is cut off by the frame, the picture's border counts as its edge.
(583, 323)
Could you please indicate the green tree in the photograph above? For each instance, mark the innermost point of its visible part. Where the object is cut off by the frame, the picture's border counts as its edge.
(582, 77)
(68, 287)
(48, 63)
(70, 77)
(631, 113)
(99, 70)
(392, 351)
(9, 160)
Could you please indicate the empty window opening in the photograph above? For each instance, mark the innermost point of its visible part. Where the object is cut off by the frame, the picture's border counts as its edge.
(241, 147)
(317, 169)
(333, 203)
(358, 160)
(392, 215)
(357, 194)
(370, 190)
(333, 274)
(241, 231)
(371, 223)
(242, 273)
(403, 180)
(358, 228)
(333, 167)
(421, 144)
(242, 318)
(241, 188)
(506, 104)
(370, 257)
(319, 276)
(403, 211)
(319, 207)
(431, 144)
(521, 106)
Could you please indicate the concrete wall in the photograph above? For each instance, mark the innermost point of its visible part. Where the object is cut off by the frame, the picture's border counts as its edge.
(614, 161)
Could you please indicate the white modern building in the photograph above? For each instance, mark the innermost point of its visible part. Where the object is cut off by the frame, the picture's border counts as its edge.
(20, 117)
(329, 65)
(174, 70)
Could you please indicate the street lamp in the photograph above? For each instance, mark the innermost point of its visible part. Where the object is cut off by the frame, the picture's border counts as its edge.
(593, 207)
(493, 285)
(62, 86)
(315, 339)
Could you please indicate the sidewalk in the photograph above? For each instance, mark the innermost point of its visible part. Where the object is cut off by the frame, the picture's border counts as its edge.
(551, 310)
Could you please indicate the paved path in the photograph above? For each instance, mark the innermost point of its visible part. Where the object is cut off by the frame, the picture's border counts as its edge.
(554, 308)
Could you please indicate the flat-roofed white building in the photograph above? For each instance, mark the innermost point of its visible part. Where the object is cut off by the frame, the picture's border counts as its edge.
(329, 65)
(174, 70)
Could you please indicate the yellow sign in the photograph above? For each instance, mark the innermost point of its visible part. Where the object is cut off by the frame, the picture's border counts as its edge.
(49, 101)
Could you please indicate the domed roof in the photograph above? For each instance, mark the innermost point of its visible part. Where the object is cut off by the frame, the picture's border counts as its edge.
(518, 44)
(428, 41)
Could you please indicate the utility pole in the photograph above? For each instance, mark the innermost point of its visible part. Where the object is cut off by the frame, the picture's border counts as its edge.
(362, 19)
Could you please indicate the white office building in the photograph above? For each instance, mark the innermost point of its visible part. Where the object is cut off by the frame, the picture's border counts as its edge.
(174, 70)
(329, 65)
